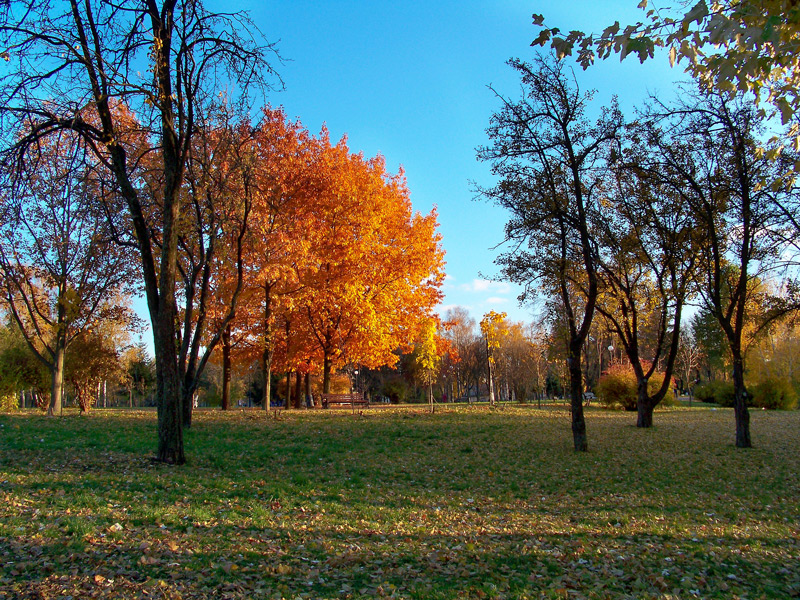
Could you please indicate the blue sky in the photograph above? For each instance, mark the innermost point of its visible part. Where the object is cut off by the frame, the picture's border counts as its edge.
(409, 80)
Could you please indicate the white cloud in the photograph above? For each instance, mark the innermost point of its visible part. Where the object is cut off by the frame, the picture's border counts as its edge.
(496, 300)
(443, 308)
(479, 286)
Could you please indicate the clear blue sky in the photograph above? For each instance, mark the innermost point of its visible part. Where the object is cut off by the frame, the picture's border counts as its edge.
(408, 80)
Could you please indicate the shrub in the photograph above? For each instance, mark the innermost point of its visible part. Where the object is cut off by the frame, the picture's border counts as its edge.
(396, 390)
(775, 394)
(617, 387)
(719, 392)
(9, 402)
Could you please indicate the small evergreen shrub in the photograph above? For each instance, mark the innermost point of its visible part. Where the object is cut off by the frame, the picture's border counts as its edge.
(719, 392)
(775, 394)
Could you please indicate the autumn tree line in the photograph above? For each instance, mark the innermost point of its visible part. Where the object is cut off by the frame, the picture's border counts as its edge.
(135, 158)
(315, 250)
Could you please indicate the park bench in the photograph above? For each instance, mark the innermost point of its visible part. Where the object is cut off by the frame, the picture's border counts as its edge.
(351, 400)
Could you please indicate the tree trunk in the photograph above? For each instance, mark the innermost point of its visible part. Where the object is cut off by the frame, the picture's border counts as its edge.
(268, 385)
(226, 368)
(308, 390)
(490, 373)
(740, 404)
(266, 357)
(188, 393)
(326, 373)
(57, 371)
(288, 402)
(576, 400)
(644, 405)
(266, 369)
(168, 389)
(645, 414)
(298, 389)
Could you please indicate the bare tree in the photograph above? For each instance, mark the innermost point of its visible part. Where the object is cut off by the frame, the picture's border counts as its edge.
(98, 68)
(218, 200)
(738, 195)
(649, 252)
(550, 160)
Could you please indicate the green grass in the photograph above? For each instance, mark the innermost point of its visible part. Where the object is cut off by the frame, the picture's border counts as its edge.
(469, 503)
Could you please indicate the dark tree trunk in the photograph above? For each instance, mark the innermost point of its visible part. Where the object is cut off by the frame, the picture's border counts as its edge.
(288, 403)
(576, 402)
(644, 405)
(298, 390)
(188, 390)
(645, 414)
(266, 357)
(326, 373)
(307, 379)
(57, 371)
(740, 404)
(168, 390)
(226, 368)
(266, 370)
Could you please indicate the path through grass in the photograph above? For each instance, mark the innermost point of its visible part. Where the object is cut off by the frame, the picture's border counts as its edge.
(467, 503)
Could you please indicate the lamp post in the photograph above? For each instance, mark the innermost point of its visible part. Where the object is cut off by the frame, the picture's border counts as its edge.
(610, 355)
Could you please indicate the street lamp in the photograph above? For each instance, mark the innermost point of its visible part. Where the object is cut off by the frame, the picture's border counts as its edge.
(610, 355)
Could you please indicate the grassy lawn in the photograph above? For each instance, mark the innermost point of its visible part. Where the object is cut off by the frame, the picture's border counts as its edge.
(469, 503)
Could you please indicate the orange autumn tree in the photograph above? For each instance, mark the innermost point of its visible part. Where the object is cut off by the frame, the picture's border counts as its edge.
(277, 189)
(338, 269)
(374, 267)
(216, 203)
(276, 242)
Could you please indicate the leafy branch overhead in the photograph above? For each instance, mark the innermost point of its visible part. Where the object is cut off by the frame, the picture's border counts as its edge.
(731, 45)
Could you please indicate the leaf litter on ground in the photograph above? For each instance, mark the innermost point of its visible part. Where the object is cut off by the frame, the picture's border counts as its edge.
(466, 503)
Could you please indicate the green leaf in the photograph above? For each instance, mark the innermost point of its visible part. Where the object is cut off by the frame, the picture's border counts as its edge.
(769, 27)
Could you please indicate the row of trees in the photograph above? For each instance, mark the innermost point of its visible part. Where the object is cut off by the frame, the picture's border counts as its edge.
(633, 219)
(130, 161)
(101, 369)
(293, 253)
(530, 366)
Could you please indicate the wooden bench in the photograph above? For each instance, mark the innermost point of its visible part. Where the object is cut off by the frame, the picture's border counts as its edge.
(351, 400)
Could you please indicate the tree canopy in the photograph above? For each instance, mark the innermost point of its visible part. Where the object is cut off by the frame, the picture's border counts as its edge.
(728, 45)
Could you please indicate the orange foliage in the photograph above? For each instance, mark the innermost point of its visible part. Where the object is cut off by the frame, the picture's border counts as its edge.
(338, 267)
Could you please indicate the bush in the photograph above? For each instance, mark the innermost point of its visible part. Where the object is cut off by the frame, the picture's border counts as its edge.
(617, 387)
(397, 391)
(775, 394)
(9, 402)
(719, 392)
